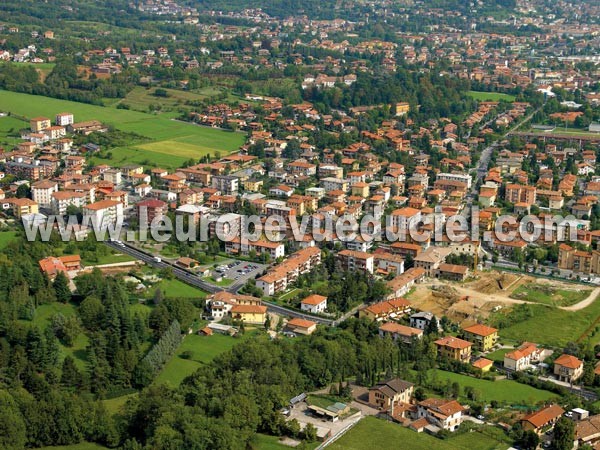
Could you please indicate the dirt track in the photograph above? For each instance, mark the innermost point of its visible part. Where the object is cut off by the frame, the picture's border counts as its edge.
(476, 299)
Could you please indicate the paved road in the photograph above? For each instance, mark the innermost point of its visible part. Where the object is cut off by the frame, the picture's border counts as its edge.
(194, 280)
(181, 274)
(277, 309)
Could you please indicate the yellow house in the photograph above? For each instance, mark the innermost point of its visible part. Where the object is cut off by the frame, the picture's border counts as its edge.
(402, 108)
(39, 124)
(250, 314)
(23, 206)
(253, 185)
(361, 189)
(483, 364)
(454, 348)
(482, 336)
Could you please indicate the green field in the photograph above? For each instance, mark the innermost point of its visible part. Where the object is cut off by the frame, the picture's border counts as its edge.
(112, 258)
(183, 140)
(490, 96)
(266, 442)
(9, 130)
(204, 349)
(498, 355)
(374, 434)
(503, 391)
(552, 326)
(6, 237)
(43, 315)
(81, 446)
(140, 98)
(176, 288)
(115, 405)
(548, 295)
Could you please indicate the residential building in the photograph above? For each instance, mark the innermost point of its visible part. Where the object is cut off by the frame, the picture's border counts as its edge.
(516, 193)
(543, 419)
(454, 272)
(483, 337)
(462, 177)
(51, 266)
(151, 209)
(403, 283)
(389, 309)
(39, 124)
(64, 119)
(61, 201)
(278, 277)
(386, 394)
(454, 348)
(400, 333)
(442, 413)
(41, 192)
(316, 304)
(23, 206)
(104, 212)
(522, 357)
(421, 320)
(250, 314)
(226, 184)
(568, 368)
(301, 326)
(353, 260)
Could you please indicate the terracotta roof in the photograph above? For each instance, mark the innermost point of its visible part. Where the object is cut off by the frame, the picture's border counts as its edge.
(568, 361)
(482, 363)
(443, 406)
(314, 300)
(544, 416)
(249, 309)
(403, 330)
(480, 330)
(300, 323)
(453, 342)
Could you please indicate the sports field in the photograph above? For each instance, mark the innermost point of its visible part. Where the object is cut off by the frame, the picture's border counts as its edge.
(173, 141)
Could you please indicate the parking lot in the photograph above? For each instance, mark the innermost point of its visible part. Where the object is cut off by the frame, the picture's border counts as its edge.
(239, 270)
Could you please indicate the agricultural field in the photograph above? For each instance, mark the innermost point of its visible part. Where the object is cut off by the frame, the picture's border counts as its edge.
(503, 391)
(203, 350)
(377, 434)
(491, 96)
(550, 295)
(173, 141)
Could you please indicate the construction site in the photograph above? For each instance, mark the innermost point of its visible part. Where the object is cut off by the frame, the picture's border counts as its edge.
(486, 292)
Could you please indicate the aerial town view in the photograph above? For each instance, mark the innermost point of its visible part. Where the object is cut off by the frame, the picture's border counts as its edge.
(310, 224)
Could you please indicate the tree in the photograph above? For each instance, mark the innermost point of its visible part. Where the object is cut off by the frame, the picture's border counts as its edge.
(71, 376)
(61, 287)
(529, 440)
(158, 297)
(310, 433)
(91, 312)
(564, 434)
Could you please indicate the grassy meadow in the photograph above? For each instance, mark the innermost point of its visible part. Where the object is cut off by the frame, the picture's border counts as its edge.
(173, 141)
